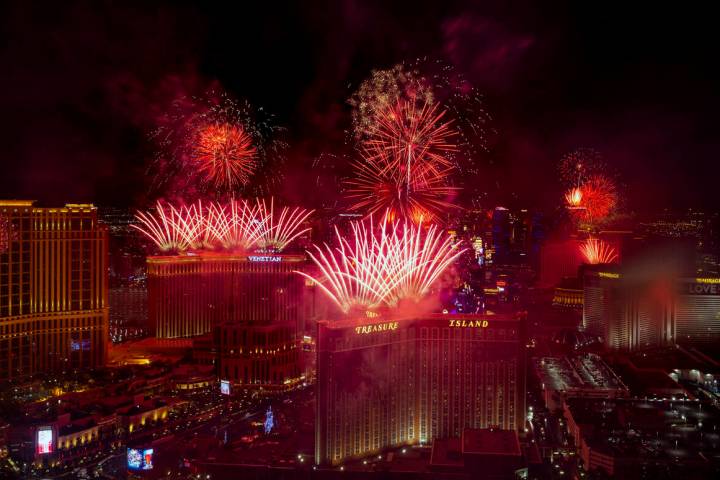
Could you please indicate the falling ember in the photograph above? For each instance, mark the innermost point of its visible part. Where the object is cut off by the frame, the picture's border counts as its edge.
(225, 155)
(596, 251)
(382, 265)
(573, 198)
(236, 225)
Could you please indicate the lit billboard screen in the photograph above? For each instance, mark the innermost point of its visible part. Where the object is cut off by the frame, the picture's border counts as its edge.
(225, 387)
(138, 459)
(44, 442)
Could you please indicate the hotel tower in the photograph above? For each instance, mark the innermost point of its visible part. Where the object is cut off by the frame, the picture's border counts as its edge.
(53, 288)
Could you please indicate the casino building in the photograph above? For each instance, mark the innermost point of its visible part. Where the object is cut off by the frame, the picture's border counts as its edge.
(254, 305)
(53, 288)
(399, 381)
(630, 313)
(695, 311)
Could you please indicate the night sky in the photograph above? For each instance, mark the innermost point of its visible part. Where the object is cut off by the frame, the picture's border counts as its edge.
(81, 84)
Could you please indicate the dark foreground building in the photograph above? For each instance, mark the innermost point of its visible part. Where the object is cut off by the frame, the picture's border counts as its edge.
(391, 382)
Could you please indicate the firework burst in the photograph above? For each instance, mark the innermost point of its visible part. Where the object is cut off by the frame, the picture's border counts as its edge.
(279, 229)
(225, 155)
(599, 198)
(214, 146)
(380, 266)
(596, 251)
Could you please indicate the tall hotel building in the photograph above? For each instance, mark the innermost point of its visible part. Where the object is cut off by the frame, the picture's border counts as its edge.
(631, 313)
(252, 303)
(53, 288)
(382, 384)
(695, 311)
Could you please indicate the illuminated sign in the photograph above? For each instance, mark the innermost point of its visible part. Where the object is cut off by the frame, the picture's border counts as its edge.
(378, 327)
(269, 422)
(140, 459)
(702, 289)
(708, 280)
(264, 258)
(468, 323)
(224, 387)
(608, 275)
(44, 441)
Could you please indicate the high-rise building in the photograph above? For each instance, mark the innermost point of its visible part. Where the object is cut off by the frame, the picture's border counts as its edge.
(391, 382)
(191, 294)
(628, 312)
(53, 288)
(695, 312)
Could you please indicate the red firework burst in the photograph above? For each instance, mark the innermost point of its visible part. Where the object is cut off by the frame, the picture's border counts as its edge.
(412, 139)
(599, 198)
(380, 186)
(224, 155)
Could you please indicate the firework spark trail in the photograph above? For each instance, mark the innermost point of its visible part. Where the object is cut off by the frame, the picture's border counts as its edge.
(163, 228)
(596, 251)
(278, 231)
(382, 265)
(236, 225)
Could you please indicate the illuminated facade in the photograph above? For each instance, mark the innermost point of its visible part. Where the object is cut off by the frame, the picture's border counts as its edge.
(695, 311)
(258, 355)
(53, 288)
(191, 294)
(628, 314)
(387, 383)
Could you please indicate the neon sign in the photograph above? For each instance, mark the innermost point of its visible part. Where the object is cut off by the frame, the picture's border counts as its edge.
(264, 258)
(468, 323)
(608, 275)
(378, 327)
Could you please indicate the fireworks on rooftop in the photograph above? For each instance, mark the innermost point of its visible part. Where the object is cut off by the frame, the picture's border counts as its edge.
(237, 225)
(381, 265)
(596, 251)
(573, 197)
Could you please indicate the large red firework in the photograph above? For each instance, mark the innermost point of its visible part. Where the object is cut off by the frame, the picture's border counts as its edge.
(413, 139)
(378, 186)
(599, 198)
(596, 251)
(224, 155)
(406, 163)
(382, 265)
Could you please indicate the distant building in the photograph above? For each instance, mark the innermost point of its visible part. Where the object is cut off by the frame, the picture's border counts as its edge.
(53, 288)
(695, 311)
(385, 383)
(628, 312)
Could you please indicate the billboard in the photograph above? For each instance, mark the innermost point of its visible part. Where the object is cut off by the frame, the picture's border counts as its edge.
(140, 459)
(225, 387)
(44, 441)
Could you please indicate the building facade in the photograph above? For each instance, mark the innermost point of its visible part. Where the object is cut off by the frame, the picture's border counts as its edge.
(695, 311)
(53, 288)
(387, 383)
(191, 294)
(630, 313)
